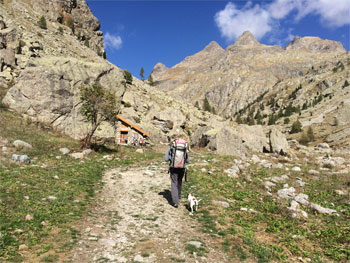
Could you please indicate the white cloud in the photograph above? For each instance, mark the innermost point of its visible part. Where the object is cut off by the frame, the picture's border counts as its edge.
(112, 41)
(232, 22)
(260, 20)
(333, 13)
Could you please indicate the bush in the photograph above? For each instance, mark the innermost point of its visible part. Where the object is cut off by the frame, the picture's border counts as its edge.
(346, 83)
(42, 23)
(60, 29)
(304, 139)
(286, 121)
(150, 79)
(272, 119)
(296, 127)
(127, 77)
(86, 43)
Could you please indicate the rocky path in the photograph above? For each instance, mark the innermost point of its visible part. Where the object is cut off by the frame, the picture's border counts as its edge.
(134, 222)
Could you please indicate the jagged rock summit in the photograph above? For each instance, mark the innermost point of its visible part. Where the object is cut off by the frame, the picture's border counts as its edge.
(315, 44)
(213, 47)
(246, 39)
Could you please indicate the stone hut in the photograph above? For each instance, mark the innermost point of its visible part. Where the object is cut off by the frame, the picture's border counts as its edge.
(129, 133)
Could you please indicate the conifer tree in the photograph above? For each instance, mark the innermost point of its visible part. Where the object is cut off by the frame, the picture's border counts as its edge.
(142, 71)
(206, 105)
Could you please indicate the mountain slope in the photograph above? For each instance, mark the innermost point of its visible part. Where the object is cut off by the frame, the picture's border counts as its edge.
(232, 78)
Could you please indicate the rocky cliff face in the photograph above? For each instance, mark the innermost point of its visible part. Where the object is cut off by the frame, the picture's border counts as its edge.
(47, 50)
(231, 79)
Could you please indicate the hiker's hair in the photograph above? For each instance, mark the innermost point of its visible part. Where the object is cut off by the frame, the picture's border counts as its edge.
(175, 136)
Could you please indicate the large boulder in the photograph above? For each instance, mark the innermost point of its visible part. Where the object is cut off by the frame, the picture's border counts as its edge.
(278, 142)
(224, 141)
(7, 58)
(253, 137)
(170, 119)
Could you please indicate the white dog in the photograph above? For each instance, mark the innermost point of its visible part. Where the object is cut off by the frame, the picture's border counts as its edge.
(192, 202)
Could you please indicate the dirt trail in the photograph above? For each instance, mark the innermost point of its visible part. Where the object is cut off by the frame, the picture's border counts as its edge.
(134, 222)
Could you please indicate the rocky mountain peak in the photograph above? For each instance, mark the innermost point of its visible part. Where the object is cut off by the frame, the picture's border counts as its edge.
(246, 39)
(315, 44)
(212, 47)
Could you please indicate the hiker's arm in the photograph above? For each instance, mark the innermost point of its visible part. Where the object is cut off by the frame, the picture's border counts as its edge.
(187, 160)
(167, 155)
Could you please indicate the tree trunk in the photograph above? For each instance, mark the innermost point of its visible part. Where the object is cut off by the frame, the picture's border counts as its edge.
(88, 137)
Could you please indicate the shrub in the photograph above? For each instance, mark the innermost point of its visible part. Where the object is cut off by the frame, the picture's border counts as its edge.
(60, 29)
(86, 43)
(272, 119)
(286, 120)
(346, 84)
(304, 106)
(296, 127)
(127, 77)
(304, 139)
(150, 79)
(42, 23)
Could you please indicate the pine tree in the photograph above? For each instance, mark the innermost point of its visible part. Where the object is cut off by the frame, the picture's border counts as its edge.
(142, 71)
(206, 105)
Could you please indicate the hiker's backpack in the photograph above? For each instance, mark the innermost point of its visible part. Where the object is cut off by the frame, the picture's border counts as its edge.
(178, 154)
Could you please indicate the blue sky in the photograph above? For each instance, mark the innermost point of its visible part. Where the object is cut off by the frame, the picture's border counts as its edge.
(142, 33)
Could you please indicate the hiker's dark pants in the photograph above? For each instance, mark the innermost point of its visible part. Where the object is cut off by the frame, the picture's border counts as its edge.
(176, 176)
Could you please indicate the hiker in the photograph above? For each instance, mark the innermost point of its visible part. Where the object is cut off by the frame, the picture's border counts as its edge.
(177, 157)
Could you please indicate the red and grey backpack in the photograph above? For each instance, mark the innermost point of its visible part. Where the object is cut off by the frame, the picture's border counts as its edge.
(178, 154)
